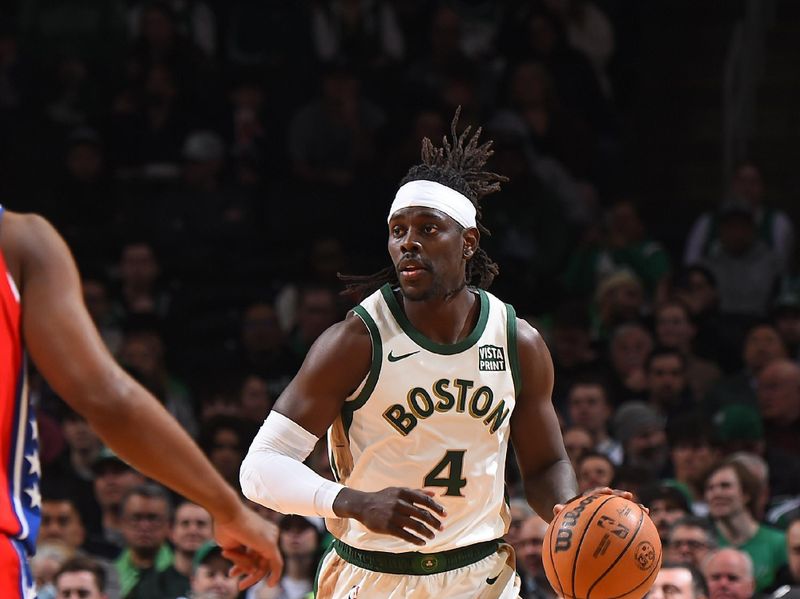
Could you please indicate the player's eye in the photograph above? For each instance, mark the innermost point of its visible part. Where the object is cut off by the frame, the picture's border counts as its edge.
(430, 228)
(397, 231)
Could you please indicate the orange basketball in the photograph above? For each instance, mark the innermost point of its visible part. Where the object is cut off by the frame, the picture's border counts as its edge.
(601, 547)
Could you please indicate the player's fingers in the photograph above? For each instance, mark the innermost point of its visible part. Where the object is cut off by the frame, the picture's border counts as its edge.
(252, 578)
(420, 514)
(418, 527)
(399, 531)
(423, 497)
(274, 573)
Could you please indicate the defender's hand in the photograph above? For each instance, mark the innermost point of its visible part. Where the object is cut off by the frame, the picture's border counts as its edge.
(410, 514)
(251, 543)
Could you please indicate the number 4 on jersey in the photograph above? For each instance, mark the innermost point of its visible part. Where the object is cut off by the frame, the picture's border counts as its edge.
(454, 462)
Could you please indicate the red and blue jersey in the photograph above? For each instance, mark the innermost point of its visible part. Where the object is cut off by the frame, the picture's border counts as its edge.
(20, 469)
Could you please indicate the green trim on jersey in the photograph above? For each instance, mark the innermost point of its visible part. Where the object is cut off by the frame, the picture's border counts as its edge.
(425, 343)
(513, 353)
(374, 369)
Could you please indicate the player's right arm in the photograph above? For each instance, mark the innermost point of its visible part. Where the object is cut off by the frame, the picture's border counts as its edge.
(273, 474)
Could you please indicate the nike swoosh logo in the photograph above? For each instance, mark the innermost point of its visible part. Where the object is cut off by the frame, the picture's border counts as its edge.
(396, 358)
(492, 580)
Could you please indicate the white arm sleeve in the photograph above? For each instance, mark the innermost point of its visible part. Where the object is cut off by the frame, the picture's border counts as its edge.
(273, 473)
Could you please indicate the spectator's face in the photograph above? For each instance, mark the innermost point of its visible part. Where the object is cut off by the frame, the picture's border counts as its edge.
(629, 350)
(673, 327)
(571, 345)
(666, 378)
(254, 400)
(648, 447)
(788, 324)
(727, 577)
(687, 545)
(577, 442)
(260, 329)
(594, 472)
(142, 353)
(692, 460)
(588, 408)
(226, 453)
(762, 346)
(529, 546)
(95, 296)
(737, 234)
(664, 514)
(672, 583)
(192, 527)
(779, 392)
(445, 33)
(79, 435)
(518, 516)
(748, 185)
(84, 162)
(316, 313)
(724, 494)
(700, 294)
(623, 302)
(625, 222)
(112, 481)
(138, 266)
(71, 585)
(61, 522)
(793, 550)
(211, 580)
(156, 28)
(145, 523)
(299, 539)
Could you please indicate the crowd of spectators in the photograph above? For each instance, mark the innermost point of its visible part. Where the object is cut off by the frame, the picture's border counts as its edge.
(214, 165)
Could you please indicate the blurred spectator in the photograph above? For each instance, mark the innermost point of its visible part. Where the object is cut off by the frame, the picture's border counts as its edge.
(629, 347)
(790, 574)
(100, 307)
(113, 479)
(300, 543)
(762, 345)
(262, 349)
(618, 301)
(773, 227)
(225, 440)
(667, 505)
(757, 466)
(746, 269)
(624, 245)
(690, 539)
(333, 137)
(190, 529)
(255, 401)
(786, 316)
(570, 342)
(145, 515)
(211, 577)
(729, 574)
(72, 471)
(731, 492)
(520, 511)
(633, 479)
(81, 577)
(590, 409)
(529, 559)
(357, 31)
(577, 442)
(45, 564)
(778, 393)
(674, 329)
(317, 309)
(641, 431)
(140, 286)
(594, 470)
(142, 353)
(693, 451)
(192, 18)
(666, 389)
(678, 580)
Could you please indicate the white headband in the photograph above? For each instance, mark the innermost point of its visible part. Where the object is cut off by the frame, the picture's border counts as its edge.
(429, 194)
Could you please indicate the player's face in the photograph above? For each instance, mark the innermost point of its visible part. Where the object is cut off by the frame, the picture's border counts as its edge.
(672, 583)
(427, 248)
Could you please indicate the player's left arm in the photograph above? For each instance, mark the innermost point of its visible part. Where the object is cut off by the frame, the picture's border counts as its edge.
(547, 474)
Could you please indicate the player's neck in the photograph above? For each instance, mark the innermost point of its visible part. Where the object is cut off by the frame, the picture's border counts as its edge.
(445, 320)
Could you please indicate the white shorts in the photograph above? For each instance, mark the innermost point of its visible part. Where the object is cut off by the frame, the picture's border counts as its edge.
(493, 577)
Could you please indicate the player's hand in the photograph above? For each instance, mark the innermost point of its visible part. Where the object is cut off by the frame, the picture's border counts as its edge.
(410, 514)
(251, 543)
(597, 491)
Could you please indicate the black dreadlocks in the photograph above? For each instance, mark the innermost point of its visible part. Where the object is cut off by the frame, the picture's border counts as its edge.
(459, 167)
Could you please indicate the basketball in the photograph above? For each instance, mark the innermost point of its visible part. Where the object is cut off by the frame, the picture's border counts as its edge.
(601, 547)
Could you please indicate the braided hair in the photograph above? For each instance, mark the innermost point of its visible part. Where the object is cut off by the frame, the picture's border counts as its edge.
(458, 165)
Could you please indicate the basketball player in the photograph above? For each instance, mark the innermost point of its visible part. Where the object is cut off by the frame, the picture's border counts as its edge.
(42, 312)
(420, 389)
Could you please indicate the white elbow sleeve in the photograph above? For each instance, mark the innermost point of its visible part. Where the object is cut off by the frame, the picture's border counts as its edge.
(273, 473)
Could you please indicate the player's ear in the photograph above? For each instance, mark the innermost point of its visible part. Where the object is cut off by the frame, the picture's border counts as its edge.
(471, 238)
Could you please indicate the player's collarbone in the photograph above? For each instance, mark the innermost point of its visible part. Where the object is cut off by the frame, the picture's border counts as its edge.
(446, 395)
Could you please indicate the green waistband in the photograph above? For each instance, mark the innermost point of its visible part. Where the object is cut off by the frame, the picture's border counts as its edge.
(415, 563)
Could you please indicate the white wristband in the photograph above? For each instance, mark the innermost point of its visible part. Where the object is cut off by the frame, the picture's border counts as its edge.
(273, 473)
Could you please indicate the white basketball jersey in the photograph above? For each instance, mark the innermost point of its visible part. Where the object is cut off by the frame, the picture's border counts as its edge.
(431, 416)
